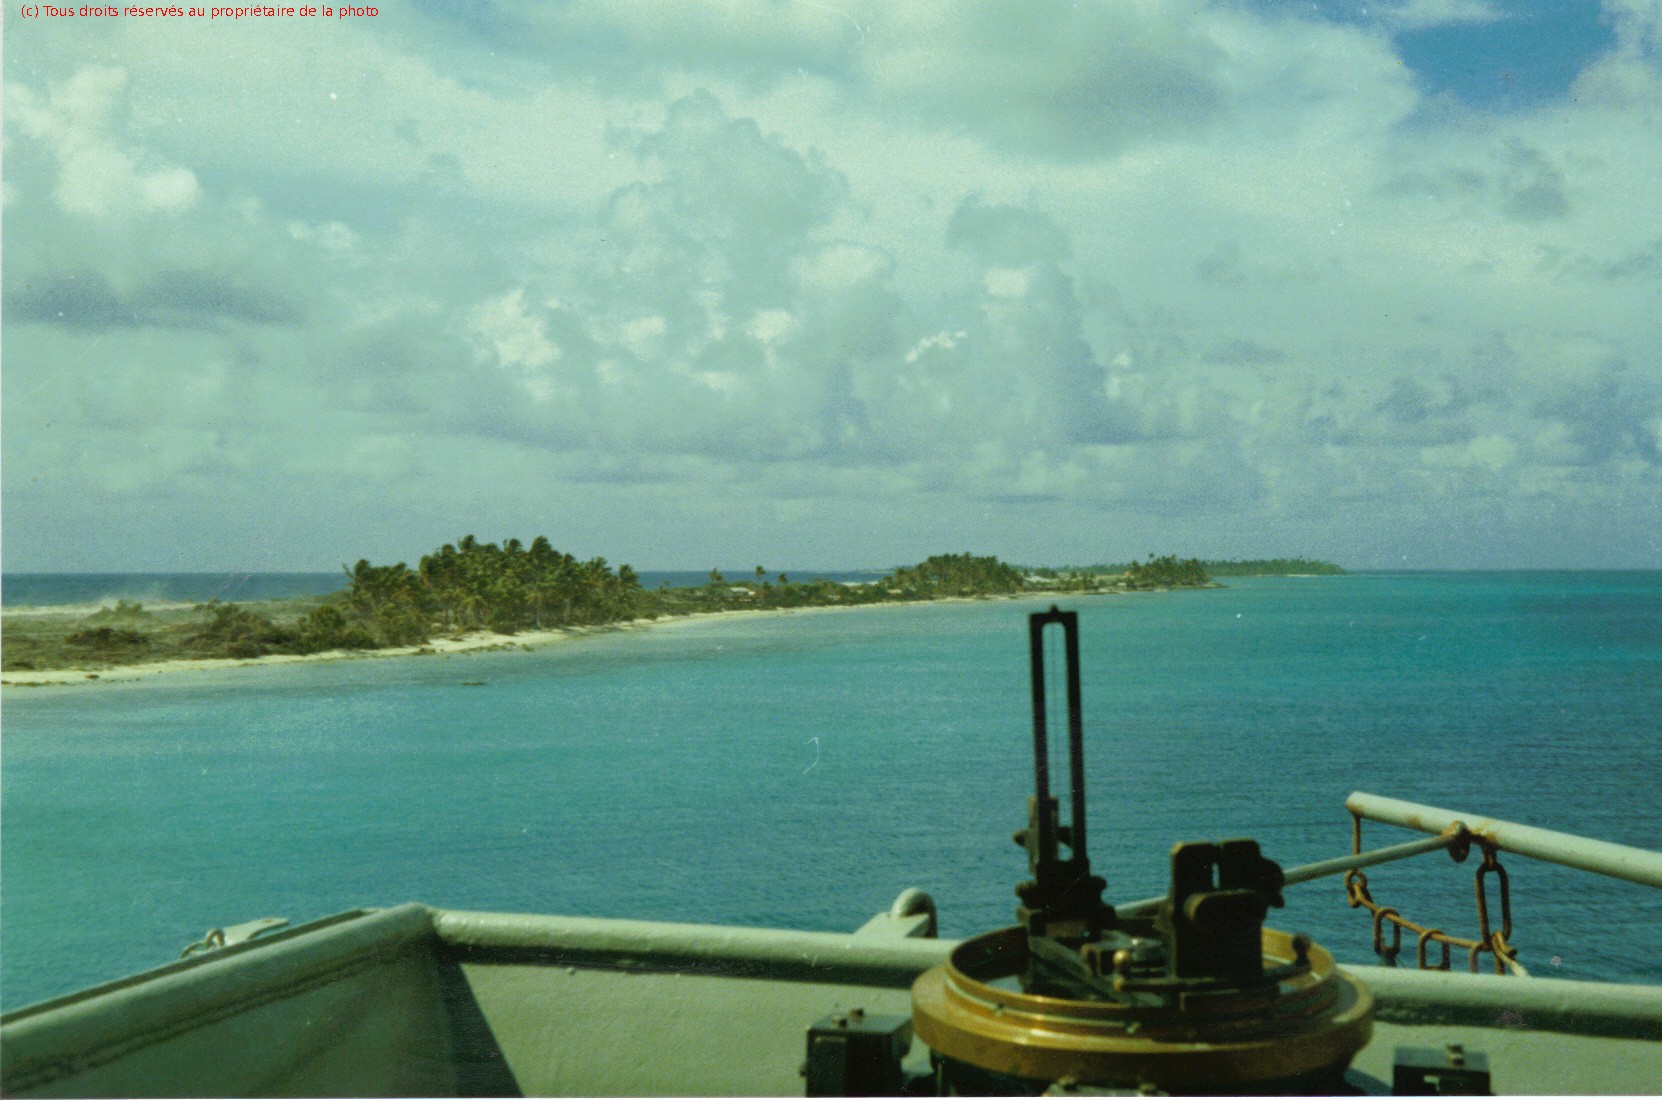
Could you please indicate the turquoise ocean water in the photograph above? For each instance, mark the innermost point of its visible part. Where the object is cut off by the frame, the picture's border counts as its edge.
(801, 770)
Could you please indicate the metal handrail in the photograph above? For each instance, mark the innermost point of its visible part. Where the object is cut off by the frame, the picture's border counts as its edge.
(1599, 856)
(1455, 838)
(1335, 866)
(1452, 832)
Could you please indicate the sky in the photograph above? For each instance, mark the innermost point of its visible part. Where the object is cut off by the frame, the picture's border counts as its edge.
(829, 284)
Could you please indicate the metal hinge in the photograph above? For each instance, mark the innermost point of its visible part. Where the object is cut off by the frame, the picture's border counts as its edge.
(237, 933)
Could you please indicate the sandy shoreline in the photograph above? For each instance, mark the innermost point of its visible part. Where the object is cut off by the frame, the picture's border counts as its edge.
(475, 642)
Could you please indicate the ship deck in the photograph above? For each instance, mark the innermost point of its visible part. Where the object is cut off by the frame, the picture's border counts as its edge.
(421, 1001)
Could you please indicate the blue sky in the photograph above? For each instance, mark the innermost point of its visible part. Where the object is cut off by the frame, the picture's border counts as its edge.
(1506, 56)
(832, 284)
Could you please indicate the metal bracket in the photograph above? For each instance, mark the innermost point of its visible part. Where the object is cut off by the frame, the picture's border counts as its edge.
(1452, 1071)
(1215, 927)
(911, 916)
(217, 938)
(853, 1054)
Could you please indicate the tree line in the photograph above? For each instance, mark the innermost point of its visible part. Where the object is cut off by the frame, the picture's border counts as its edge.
(475, 585)
(1213, 568)
(1274, 567)
(472, 585)
(1166, 572)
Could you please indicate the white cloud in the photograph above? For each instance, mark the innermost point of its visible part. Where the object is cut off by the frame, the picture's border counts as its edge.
(943, 340)
(1420, 14)
(1007, 282)
(331, 236)
(1176, 264)
(98, 174)
(518, 343)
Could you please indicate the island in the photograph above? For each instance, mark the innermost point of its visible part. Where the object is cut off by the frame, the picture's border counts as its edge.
(1249, 567)
(471, 592)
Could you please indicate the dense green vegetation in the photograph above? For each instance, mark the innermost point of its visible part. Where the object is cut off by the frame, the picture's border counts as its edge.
(1166, 572)
(477, 585)
(956, 575)
(1162, 572)
(230, 630)
(1274, 567)
(507, 588)
(940, 577)
(128, 633)
(1253, 567)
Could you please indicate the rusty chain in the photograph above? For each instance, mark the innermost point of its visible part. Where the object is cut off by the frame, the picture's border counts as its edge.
(1495, 941)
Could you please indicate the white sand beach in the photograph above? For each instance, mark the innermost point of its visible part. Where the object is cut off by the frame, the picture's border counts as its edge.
(474, 642)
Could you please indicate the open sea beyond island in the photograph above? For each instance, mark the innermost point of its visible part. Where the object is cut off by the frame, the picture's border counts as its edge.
(20, 590)
(799, 770)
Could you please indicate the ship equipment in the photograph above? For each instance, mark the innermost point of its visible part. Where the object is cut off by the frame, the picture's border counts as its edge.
(1196, 996)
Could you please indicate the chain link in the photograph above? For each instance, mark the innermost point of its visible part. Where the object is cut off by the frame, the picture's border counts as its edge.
(1496, 942)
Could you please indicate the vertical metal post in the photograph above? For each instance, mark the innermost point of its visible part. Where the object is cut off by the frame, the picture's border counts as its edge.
(1036, 662)
(1076, 736)
(1041, 748)
(1069, 622)
(1063, 900)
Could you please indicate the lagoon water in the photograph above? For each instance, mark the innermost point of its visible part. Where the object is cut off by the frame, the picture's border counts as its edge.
(800, 770)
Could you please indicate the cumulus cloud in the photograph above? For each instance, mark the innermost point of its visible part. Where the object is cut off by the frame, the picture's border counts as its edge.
(99, 175)
(720, 316)
(842, 278)
(725, 316)
(1052, 77)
